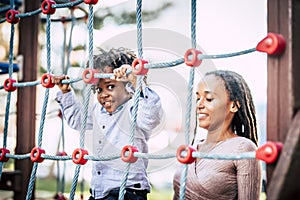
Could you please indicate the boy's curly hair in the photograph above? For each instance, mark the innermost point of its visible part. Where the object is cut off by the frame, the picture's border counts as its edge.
(113, 57)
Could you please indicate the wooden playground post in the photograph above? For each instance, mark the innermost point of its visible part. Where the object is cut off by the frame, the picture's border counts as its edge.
(283, 117)
(26, 103)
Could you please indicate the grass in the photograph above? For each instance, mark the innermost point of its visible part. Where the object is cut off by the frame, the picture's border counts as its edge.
(45, 189)
(156, 194)
(166, 194)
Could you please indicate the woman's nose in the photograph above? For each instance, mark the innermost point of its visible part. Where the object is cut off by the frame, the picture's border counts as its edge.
(200, 104)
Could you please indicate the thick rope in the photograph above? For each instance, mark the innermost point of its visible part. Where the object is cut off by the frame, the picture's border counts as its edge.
(44, 109)
(87, 91)
(70, 42)
(8, 98)
(143, 155)
(60, 187)
(10, 71)
(39, 10)
(189, 100)
(136, 94)
(148, 66)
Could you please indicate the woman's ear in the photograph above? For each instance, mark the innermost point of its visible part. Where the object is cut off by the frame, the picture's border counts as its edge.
(234, 107)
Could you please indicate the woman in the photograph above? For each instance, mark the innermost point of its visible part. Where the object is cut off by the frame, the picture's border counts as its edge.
(225, 109)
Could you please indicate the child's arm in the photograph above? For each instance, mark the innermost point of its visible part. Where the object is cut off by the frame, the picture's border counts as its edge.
(150, 112)
(71, 109)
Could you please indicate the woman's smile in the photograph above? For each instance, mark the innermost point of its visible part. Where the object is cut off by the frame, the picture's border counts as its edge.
(202, 116)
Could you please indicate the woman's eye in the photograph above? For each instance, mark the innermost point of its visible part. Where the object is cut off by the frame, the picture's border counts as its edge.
(209, 99)
(110, 87)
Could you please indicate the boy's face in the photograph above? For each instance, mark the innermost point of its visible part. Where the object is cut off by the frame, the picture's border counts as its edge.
(111, 93)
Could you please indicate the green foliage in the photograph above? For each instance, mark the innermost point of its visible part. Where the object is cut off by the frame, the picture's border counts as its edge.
(49, 186)
(9, 164)
(128, 17)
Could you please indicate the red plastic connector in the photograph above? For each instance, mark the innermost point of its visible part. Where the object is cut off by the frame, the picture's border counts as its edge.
(141, 70)
(11, 16)
(46, 81)
(194, 62)
(3, 157)
(188, 159)
(78, 156)
(47, 7)
(273, 44)
(269, 152)
(88, 76)
(130, 158)
(36, 154)
(8, 85)
(91, 1)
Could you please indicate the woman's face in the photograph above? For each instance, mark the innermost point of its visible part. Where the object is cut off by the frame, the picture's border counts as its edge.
(214, 110)
(111, 93)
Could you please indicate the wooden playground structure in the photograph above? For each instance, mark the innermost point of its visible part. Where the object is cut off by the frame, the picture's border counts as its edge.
(283, 116)
(283, 102)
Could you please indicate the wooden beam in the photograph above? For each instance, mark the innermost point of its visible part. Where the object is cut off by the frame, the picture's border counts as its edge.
(26, 103)
(296, 53)
(284, 101)
(285, 180)
(280, 96)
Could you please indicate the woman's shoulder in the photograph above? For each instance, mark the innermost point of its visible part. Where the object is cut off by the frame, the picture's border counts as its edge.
(242, 144)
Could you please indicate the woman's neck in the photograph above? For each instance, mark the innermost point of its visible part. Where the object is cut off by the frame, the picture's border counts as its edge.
(219, 135)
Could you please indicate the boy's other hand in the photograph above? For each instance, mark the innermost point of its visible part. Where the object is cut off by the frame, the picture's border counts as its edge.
(64, 87)
(120, 74)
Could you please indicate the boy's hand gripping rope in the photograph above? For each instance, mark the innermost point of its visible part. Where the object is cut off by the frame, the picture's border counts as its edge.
(91, 76)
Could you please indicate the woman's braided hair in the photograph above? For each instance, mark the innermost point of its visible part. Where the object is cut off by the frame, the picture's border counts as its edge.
(244, 122)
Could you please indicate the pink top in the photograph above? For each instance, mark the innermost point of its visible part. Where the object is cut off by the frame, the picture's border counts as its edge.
(223, 179)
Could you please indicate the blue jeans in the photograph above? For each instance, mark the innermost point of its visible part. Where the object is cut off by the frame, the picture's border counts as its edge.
(130, 194)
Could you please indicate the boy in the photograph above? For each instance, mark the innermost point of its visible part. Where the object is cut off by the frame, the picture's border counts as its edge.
(110, 119)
